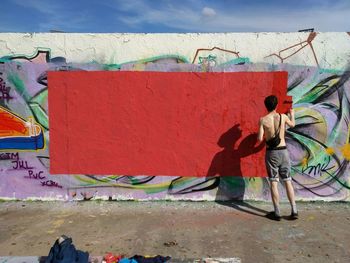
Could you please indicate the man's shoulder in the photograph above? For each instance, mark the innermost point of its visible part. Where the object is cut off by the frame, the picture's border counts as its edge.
(265, 117)
(268, 117)
(284, 116)
(262, 119)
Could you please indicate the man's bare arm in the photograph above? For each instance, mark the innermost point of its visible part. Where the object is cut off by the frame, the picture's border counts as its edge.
(261, 131)
(290, 122)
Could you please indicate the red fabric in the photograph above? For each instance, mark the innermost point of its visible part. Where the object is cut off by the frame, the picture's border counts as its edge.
(159, 123)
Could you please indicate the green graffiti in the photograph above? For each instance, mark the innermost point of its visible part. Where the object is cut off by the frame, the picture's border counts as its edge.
(37, 110)
(39, 115)
(236, 61)
(319, 89)
(210, 58)
(17, 82)
(180, 59)
(37, 52)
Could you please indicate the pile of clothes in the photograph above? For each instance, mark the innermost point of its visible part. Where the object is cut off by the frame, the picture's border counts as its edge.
(110, 258)
(63, 251)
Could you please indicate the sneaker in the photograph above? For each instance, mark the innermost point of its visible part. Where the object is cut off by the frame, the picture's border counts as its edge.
(273, 216)
(294, 216)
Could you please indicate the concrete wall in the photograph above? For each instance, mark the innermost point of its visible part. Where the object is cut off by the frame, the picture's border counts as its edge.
(318, 68)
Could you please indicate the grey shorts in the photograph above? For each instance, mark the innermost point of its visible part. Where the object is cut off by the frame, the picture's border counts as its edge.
(278, 164)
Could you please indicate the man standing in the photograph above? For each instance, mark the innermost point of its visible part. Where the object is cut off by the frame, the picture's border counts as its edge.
(277, 159)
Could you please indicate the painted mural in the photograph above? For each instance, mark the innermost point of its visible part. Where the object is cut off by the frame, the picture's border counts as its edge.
(319, 143)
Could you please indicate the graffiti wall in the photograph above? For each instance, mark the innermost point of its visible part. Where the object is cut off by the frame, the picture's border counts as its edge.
(318, 82)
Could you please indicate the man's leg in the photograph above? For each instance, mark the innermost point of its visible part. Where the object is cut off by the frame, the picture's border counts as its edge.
(271, 161)
(291, 197)
(284, 172)
(275, 197)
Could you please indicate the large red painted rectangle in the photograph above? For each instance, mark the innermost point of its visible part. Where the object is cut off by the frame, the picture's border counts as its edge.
(159, 123)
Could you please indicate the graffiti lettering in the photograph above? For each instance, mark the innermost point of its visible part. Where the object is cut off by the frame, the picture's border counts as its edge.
(319, 168)
(322, 113)
(50, 183)
(4, 90)
(9, 156)
(39, 176)
(20, 164)
(33, 175)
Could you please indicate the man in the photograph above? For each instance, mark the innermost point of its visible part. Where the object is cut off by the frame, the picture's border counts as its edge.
(277, 159)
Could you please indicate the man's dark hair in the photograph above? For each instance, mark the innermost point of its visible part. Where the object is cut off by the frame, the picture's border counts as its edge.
(271, 103)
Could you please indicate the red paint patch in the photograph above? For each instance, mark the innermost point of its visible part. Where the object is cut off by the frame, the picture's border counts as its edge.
(156, 123)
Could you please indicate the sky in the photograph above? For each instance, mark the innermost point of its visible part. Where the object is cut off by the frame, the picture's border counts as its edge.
(174, 16)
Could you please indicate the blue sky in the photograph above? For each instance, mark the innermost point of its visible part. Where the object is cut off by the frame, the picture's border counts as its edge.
(161, 16)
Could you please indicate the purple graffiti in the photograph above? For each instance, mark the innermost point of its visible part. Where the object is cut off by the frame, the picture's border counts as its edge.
(39, 176)
(33, 175)
(21, 165)
(4, 90)
(50, 183)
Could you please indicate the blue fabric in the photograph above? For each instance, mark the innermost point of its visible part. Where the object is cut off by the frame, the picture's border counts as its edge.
(156, 259)
(126, 260)
(66, 253)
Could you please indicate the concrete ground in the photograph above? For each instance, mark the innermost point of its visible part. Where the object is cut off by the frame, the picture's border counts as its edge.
(181, 230)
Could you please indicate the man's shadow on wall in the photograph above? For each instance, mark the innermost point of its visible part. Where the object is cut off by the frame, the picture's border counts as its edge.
(226, 168)
(225, 173)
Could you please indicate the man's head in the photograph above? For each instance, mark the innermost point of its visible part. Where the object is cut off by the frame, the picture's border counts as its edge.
(271, 103)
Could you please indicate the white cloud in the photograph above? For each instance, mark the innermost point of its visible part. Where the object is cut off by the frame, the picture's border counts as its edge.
(323, 17)
(195, 16)
(208, 12)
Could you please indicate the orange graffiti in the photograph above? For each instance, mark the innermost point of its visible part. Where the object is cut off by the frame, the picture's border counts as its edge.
(12, 125)
(302, 45)
(330, 151)
(211, 49)
(346, 151)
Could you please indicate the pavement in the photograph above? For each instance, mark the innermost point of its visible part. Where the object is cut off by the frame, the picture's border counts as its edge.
(186, 231)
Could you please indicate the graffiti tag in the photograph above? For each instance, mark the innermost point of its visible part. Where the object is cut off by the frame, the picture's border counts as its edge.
(33, 175)
(9, 156)
(318, 169)
(4, 90)
(50, 183)
(40, 176)
(21, 165)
